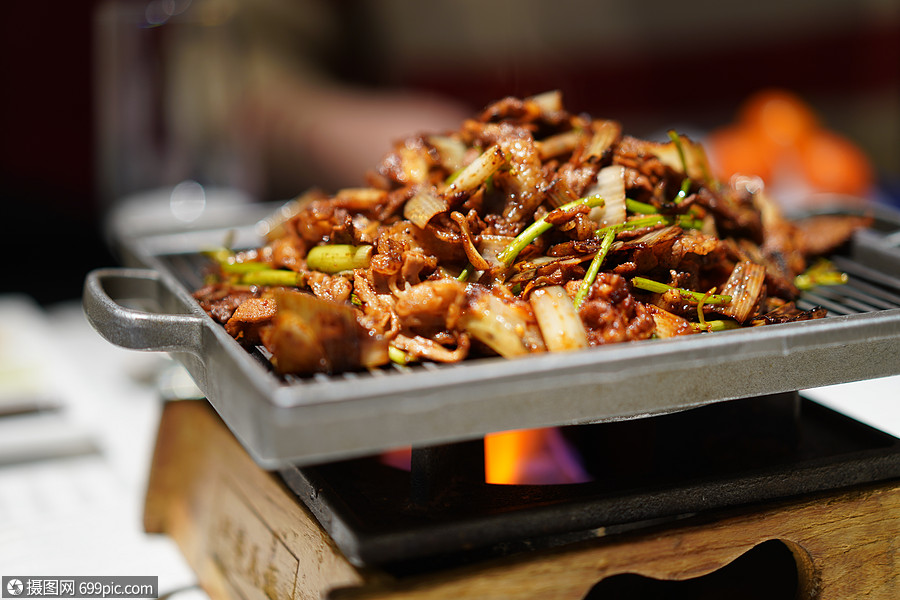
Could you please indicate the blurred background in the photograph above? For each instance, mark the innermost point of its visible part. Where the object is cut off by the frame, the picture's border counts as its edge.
(157, 113)
(108, 99)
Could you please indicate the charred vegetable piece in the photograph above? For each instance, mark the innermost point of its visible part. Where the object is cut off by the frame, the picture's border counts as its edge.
(310, 335)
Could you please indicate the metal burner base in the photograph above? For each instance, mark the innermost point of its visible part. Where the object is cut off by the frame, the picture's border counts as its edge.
(247, 536)
(647, 471)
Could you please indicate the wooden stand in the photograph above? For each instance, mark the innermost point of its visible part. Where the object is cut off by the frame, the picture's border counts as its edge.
(248, 537)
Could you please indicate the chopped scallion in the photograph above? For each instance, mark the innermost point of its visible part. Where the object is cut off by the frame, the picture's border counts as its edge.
(641, 208)
(272, 277)
(821, 273)
(717, 325)
(334, 258)
(594, 267)
(531, 233)
(661, 288)
(244, 267)
(398, 356)
(686, 182)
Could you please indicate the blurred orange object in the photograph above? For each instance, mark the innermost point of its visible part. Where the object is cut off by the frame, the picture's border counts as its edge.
(738, 149)
(778, 137)
(832, 163)
(781, 119)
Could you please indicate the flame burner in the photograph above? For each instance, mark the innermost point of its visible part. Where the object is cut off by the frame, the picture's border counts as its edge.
(642, 472)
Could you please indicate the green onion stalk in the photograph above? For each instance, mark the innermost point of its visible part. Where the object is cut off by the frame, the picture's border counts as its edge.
(685, 221)
(334, 258)
(531, 233)
(238, 268)
(272, 277)
(221, 255)
(661, 288)
(641, 208)
(821, 273)
(594, 267)
(717, 325)
(701, 317)
(686, 182)
(398, 356)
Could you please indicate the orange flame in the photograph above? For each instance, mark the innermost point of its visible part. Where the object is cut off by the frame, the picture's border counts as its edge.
(531, 456)
(525, 457)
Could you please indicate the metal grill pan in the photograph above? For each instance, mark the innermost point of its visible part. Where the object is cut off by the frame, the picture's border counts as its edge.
(303, 421)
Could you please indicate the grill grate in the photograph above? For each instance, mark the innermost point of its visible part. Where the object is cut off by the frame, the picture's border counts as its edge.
(867, 290)
(324, 418)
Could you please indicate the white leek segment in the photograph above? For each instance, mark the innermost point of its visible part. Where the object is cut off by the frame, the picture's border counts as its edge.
(451, 151)
(560, 324)
(744, 286)
(548, 102)
(424, 205)
(668, 324)
(477, 172)
(610, 186)
(490, 247)
(695, 158)
(504, 325)
(604, 133)
(561, 143)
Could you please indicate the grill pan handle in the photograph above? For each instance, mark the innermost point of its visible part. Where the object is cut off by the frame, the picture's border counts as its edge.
(110, 296)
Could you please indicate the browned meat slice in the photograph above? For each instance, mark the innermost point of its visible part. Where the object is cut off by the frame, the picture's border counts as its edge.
(249, 319)
(220, 300)
(652, 250)
(825, 233)
(431, 305)
(610, 313)
(734, 212)
(335, 288)
(546, 107)
(422, 347)
(788, 313)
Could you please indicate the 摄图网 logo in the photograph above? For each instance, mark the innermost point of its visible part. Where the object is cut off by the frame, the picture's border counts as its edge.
(14, 587)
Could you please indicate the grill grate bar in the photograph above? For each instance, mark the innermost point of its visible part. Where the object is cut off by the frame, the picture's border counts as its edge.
(854, 268)
(866, 291)
(835, 308)
(805, 305)
(845, 300)
(873, 293)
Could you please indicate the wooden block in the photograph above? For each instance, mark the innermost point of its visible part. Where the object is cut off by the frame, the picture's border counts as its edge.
(248, 537)
(241, 531)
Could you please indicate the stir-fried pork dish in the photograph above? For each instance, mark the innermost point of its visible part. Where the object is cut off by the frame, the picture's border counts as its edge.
(530, 229)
